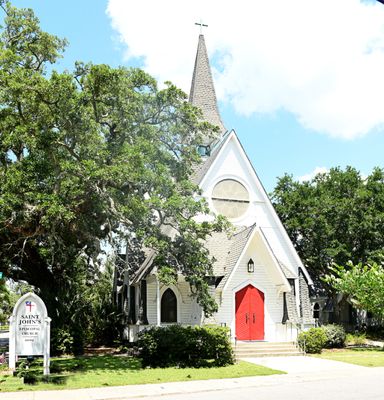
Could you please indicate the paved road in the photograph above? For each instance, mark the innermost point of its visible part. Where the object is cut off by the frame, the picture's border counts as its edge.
(307, 378)
(367, 387)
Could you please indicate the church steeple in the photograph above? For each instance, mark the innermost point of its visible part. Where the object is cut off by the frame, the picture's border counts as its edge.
(202, 92)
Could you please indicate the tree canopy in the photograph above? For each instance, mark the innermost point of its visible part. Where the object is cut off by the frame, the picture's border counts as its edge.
(5, 302)
(336, 217)
(97, 155)
(363, 283)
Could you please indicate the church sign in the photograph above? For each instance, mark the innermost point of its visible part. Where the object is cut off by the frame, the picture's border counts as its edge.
(29, 330)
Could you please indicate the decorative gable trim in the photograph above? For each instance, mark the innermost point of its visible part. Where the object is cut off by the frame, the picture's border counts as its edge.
(283, 287)
(226, 138)
(264, 197)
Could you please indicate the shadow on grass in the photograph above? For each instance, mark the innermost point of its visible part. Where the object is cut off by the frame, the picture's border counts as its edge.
(61, 369)
(365, 349)
(54, 379)
(94, 363)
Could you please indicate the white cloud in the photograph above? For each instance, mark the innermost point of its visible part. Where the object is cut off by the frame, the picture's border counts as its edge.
(311, 175)
(323, 61)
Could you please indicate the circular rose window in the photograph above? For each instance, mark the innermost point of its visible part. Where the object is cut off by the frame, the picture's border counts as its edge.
(230, 198)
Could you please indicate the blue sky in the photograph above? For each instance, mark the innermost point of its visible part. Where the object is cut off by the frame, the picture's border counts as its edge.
(301, 82)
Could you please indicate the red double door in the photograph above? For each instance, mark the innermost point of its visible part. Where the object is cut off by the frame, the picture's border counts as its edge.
(250, 314)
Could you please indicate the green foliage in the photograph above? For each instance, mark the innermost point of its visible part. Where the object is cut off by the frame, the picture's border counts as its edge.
(9, 294)
(93, 316)
(61, 342)
(90, 160)
(363, 283)
(356, 339)
(5, 302)
(336, 336)
(189, 346)
(312, 340)
(100, 313)
(333, 218)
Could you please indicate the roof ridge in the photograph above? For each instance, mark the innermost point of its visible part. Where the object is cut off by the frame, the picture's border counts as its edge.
(249, 228)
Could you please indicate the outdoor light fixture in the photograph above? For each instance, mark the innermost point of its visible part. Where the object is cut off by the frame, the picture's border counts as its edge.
(251, 265)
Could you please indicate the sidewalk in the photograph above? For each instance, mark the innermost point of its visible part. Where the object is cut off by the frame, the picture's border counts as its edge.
(306, 365)
(300, 369)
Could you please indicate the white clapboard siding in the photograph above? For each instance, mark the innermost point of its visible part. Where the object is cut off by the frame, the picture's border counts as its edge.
(189, 313)
(263, 280)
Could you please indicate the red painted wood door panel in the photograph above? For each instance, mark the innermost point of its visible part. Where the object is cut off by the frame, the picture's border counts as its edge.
(249, 314)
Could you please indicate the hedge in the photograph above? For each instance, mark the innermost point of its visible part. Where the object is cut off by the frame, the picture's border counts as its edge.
(185, 346)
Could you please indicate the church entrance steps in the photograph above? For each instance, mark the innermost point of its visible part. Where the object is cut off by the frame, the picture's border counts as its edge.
(265, 349)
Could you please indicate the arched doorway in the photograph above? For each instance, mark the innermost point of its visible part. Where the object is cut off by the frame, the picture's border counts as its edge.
(168, 307)
(249, 314)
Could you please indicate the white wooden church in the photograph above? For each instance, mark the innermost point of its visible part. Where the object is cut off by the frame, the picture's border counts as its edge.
(260, 285)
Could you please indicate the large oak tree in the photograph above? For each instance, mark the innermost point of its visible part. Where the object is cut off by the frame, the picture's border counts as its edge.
(91, 157)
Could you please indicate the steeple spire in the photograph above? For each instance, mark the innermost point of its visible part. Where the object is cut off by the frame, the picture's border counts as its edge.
(202, 93)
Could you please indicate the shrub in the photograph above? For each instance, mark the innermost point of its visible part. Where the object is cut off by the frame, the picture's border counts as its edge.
(176, 345)
(62, 342)
(29, 370)
(335, 336)
(313, 340)
(67, 341)
(356, 339)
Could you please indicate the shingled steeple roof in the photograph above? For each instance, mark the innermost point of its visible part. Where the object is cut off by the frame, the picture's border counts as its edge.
(202, 93)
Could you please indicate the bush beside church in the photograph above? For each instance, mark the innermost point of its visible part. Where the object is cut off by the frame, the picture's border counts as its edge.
(185, 346)
(325, 337)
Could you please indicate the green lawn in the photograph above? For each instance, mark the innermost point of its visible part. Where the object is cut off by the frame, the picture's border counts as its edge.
(83, 372)
(361, 356)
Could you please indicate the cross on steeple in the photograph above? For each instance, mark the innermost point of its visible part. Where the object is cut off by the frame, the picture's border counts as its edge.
(201, 26)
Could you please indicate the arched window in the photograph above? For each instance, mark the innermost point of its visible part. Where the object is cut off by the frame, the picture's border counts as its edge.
(168, 306)
(316, 310)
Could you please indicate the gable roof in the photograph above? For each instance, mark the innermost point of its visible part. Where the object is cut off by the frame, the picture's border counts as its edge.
(265, 198)
(287, 272)
(202, 94)
(147, 265)
(236, 245)
(144, 269)
(226, 249)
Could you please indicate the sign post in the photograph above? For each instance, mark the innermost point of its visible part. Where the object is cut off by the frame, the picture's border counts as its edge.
(29, 331)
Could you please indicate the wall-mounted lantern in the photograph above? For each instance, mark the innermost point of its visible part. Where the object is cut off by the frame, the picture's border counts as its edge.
(251, 265)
